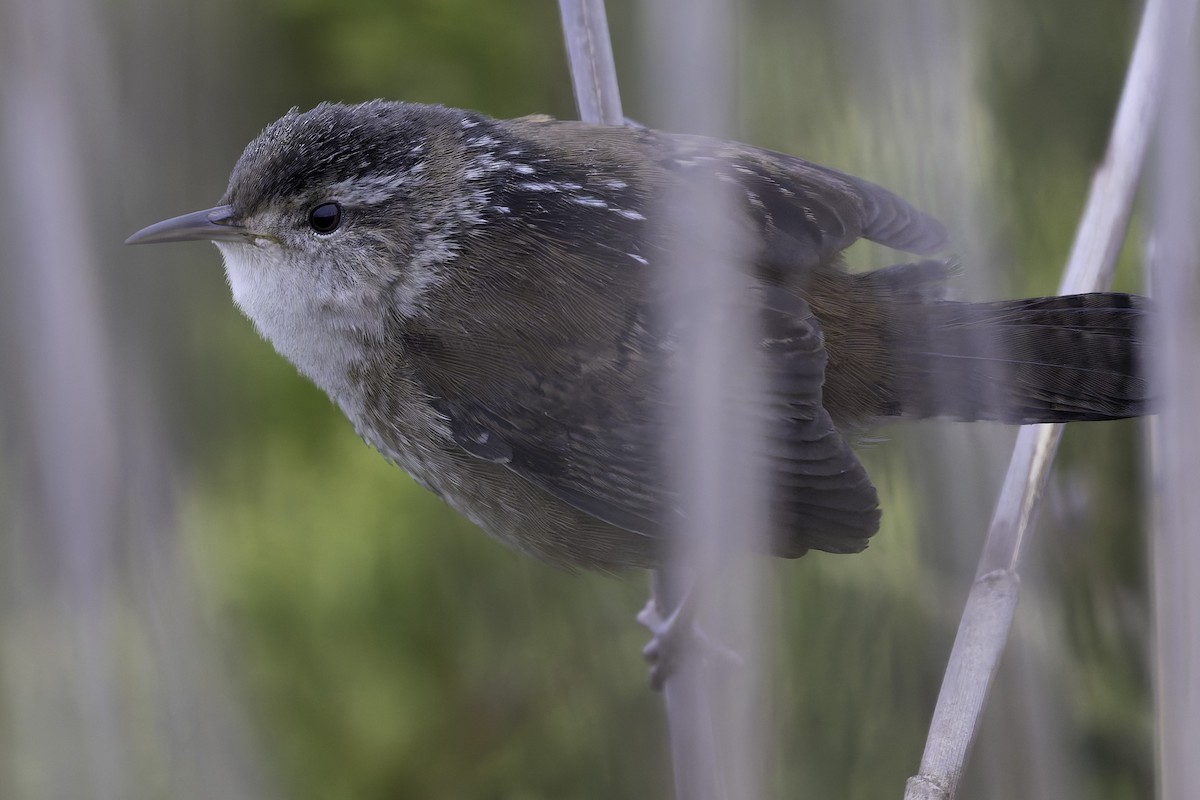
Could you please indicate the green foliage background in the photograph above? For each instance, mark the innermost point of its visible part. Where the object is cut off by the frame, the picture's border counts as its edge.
(386, 649)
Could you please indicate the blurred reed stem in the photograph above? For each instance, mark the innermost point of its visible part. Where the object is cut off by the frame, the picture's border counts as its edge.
(714, 730)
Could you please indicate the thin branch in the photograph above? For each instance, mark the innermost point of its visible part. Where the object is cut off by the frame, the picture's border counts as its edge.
(593, 71)
(988, 614)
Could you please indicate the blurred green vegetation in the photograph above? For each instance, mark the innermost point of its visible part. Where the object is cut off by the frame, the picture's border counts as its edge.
(387, 649)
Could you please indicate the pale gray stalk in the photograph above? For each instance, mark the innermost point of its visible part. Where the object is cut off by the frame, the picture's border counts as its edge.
(712, 718)
(1175, 447)
(589, 52)
(988, 614)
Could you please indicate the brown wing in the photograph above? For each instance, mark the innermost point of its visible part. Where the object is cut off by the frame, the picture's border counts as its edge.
(592, 438)
(553, 366)
(806, 213)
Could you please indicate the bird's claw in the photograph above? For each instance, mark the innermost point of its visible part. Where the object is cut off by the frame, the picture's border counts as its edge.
(676, 637)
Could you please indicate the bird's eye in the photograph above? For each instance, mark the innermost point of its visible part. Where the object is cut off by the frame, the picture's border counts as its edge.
(325, 218)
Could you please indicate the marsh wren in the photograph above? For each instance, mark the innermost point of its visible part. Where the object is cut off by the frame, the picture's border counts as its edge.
(477, 296)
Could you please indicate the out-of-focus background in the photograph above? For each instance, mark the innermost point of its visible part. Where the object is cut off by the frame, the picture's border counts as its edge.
(210, 588)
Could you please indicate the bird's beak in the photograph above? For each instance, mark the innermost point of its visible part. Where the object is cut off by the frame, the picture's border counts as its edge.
(217, 224)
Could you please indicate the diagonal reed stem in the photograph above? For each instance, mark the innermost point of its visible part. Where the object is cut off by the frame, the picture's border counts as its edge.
(988, 614)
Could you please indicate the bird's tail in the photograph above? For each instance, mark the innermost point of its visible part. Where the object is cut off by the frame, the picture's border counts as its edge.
(1044, 359)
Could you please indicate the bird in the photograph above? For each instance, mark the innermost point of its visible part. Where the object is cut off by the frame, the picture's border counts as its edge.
(478, 296)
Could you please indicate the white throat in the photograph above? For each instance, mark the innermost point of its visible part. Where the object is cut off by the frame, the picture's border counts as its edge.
(299, 316)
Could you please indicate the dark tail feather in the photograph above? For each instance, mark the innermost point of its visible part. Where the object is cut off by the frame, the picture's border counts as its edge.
(1046, 359)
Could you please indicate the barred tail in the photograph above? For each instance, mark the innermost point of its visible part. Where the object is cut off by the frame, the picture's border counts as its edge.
(1046, 359)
